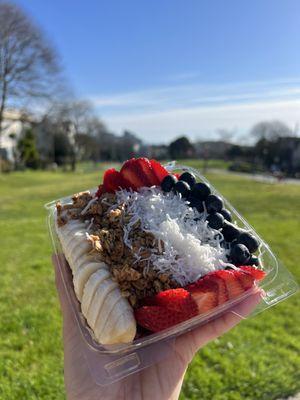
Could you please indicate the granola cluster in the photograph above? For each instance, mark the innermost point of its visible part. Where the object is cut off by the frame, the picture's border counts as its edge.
(130, 267)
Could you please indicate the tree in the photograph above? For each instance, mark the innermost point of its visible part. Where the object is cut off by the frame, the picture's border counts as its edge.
(28, 154)
(270, 130)
(27, 61)
(181, 148)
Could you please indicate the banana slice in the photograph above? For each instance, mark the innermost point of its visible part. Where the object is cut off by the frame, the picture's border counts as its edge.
(74, 251)
(120, 327)
(108, 314)
(84, 259)
(102, 291)
(79, 233)
(82, 275)
(90, 288)
(105, 312)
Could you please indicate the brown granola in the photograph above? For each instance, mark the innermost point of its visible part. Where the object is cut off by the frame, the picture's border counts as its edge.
(130, 267)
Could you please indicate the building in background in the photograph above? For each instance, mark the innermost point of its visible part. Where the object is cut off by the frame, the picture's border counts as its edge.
(14, 124)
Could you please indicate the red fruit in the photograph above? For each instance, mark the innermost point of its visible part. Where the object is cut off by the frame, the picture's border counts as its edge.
(205, 292)
(145, 165)
(159, 170)
(213, 277)
(206, 301)
(232, 282)
(256, 273)
(245, 279)
(157, 318)
(222, 286)
(133, 175)
(179, 300)
(112, 180)
(177, 175)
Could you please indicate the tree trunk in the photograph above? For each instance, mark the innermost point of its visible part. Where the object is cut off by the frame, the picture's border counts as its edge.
(2, 107)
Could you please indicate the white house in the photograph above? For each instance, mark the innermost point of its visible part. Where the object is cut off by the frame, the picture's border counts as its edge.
(13, 126)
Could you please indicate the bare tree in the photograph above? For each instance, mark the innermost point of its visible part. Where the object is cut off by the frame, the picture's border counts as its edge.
(270, 130)
(27, 61)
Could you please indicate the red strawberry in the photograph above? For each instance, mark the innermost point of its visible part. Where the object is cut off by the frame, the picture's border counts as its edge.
(206, 301)
(157, 318)
(133, 174)
(145, 165)
(232, 282)
(256, 273)
(205, 292)
(159, 170)
(112, 180)
(177, 175)
(245, 279)
(179, 300)
(247, 276)
(213, 277)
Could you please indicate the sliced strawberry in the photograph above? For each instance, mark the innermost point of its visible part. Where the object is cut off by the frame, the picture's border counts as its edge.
(206, 301)
(157, 318)
(222, 290)
(179, 300)
(133, 175)
(233, 284)
(159, 170)
(177, 175)
(256, 273)
(246, 279)
(145, 165)
(112, 180)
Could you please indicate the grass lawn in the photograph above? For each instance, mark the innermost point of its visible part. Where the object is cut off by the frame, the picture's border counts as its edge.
(260, 359)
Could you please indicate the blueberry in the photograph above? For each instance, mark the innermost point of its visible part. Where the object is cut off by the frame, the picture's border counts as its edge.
(168, 183)
(189, 178)
(226, 214)
(240, 254)
(196, 203)
(215, 220)
(230, 232)
(183, 188)
(249, 241)
(201, 190)
(253, 261)
(213, 203)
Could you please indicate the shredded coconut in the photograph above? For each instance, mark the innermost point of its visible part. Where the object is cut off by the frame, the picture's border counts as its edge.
(191, 247)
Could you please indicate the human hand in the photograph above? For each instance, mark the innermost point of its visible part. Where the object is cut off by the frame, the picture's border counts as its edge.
(160, 381)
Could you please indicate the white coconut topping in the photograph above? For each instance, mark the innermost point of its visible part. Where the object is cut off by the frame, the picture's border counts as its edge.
(191, 247)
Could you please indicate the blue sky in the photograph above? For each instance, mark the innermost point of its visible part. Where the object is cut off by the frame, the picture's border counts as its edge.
(164, 68)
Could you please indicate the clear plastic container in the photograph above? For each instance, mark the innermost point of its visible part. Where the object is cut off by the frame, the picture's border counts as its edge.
(110, 363)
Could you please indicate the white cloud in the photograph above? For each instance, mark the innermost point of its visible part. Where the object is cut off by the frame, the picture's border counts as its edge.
(160, 114)
(202, 122)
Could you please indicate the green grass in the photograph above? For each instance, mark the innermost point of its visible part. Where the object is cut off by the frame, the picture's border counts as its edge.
(260, 359)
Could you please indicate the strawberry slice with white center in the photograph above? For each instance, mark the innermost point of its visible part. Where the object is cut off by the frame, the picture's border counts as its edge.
(159, 170)
(145, 165)
(133, 174)
(213, 277)
(223, 285)
(233, 285)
